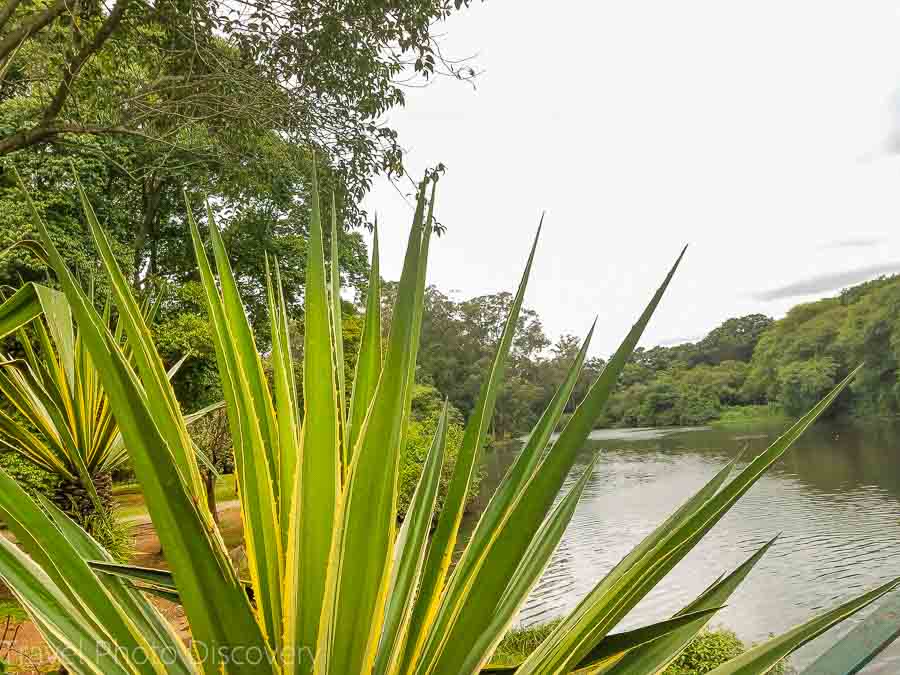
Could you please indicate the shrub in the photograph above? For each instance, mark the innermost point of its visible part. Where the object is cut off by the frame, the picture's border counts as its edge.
(418, 441)
(708, 650)
(35, 480)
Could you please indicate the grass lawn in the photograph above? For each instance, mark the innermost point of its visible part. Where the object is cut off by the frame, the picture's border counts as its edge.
(750, 414)
(130, 500)
(12, 610)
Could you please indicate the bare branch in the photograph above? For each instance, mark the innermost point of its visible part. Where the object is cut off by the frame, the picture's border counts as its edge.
(88, 50)
(48, 130)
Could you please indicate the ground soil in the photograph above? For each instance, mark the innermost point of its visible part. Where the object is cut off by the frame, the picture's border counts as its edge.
(22, 645)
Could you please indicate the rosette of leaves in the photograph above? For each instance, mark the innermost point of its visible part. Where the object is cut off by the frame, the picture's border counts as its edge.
(335, 585)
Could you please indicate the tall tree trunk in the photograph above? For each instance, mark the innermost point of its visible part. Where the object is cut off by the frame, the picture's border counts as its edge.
(152, 197)
(210, 480)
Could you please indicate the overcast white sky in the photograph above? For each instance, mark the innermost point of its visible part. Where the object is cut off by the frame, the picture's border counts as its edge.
(756, 132)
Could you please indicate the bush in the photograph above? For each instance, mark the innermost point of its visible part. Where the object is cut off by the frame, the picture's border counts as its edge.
(518, 643)
(422, 425)
(35, 480)
(708, 650)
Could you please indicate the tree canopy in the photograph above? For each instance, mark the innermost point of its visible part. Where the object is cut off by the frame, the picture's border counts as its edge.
(227, 100)
(199, 79)
(786, 365)
(458, 340)
(162, 106)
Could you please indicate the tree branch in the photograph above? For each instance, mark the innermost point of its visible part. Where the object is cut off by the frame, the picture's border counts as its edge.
(8, 10)
(85, 53)
(47, 130)
(32, 24)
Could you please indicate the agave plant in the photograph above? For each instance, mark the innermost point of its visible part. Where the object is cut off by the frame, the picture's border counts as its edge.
(64, 422)
(56, 390)
(335, 587)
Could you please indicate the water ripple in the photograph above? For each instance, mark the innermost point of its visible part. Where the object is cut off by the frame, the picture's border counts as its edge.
(836, 504)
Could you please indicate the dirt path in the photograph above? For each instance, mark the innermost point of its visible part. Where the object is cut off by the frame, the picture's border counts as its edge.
(23, 647)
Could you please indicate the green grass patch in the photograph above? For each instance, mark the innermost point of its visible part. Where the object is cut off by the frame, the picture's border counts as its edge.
(125, 489)
(225, 491)
(751, 414)
(12, 610)
(130, 500)
(518, 643)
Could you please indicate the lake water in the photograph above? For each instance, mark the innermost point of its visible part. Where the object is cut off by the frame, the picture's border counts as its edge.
(835, 497)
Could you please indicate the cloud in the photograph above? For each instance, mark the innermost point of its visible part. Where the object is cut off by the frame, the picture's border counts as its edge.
(672, 342)
(828, 282)
(855, 243)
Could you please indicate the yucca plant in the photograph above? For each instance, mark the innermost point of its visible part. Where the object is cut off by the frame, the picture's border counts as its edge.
(335, 588)
(71, 432)
(58, 414)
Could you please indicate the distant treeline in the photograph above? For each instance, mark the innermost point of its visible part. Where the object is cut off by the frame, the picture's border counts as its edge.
(786, 365)
(747, 366)
(458, 342)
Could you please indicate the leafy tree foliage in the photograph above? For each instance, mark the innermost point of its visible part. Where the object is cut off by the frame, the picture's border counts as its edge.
(734, 340)
(690, 383)
(804, 381)
(427, 404)
(748, 363)
(821, 341)
(62, 212)
(228, 100)
(457, 344)
(197, 78)
(788, 364)
(35, 480)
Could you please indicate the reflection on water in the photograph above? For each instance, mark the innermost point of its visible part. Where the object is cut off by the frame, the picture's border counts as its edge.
(835, 498)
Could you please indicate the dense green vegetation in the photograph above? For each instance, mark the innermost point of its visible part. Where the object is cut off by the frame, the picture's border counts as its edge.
(690, 383)
(427, 406)
(459, 338)
(710, 649)
(748, 369)
(341, 418)
(226, 100)
(372, 596)
(754, 368)
(56, 415)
